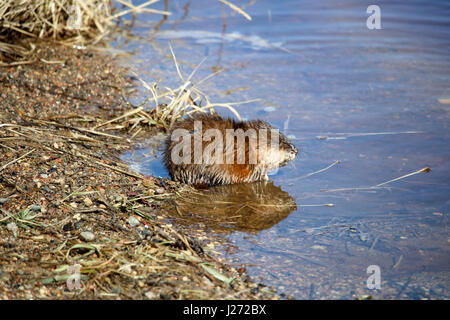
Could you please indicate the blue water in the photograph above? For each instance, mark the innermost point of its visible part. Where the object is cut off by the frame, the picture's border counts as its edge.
(373, 99)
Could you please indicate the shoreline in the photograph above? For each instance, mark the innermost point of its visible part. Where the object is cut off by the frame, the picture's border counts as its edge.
(66, 199)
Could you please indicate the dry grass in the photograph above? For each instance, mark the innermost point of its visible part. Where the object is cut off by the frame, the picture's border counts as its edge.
(23, 23)
(81, 22)
(166, 106)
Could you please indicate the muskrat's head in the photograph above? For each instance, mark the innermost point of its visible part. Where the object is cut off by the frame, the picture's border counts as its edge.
(283, 152)
(287, 149)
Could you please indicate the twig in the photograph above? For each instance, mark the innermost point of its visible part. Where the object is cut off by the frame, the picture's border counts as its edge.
(139, 8)
(379, 186)
(426, 169)
(15, 160)
(319, 171)
(395, 266)
(130, 113)
(237, 9)
(343, 136)
(81, 129)
(120, 170)
(316, 205)
(176, 63)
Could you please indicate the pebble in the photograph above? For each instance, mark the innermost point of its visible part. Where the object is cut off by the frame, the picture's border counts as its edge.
(68, 227)
(36, 208)
(151, 295)
(88, 202)
(160, 190)
(44, 175)
(43, 291)
(133, 222)
(87, 236)
(13, 228)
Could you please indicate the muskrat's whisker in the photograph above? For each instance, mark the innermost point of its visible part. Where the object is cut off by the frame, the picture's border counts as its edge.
(293, 165)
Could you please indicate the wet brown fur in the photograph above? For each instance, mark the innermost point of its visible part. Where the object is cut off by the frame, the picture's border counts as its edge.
(217, 174)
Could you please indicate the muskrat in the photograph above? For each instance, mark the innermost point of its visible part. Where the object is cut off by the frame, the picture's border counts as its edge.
(208, 150)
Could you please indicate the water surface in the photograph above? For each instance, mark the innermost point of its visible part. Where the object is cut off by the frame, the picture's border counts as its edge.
(372, 99)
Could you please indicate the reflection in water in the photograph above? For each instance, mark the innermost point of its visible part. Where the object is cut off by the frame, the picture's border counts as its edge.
(164, 18)
(216, 68)
(246, 207)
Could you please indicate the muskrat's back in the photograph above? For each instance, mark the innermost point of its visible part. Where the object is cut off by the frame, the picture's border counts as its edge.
(197, 150)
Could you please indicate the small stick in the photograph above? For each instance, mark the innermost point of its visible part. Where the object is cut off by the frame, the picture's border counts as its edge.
(374, 243)
(35, 140)
(317, 205)
(80, 129)
(120, 170)
(395, 266)
(79, 189)
(16, 63)
(237, 9)
(426, 169)
(378, 186)
(357, 188)
(139, 8)
(321, 170)
(85, 157)
(176, 63)
(15, 160)
(2, 145)
(120, 117)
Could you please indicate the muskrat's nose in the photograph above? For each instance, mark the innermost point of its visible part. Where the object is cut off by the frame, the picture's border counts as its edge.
(292, 153)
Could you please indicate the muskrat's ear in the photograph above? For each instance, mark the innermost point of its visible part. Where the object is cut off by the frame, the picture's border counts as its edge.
(260, 124)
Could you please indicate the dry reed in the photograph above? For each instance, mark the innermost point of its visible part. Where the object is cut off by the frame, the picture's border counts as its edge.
(166, 106)
(23, 23)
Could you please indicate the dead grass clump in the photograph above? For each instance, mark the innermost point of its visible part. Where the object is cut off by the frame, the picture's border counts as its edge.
(165, 106)
(24, 22)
